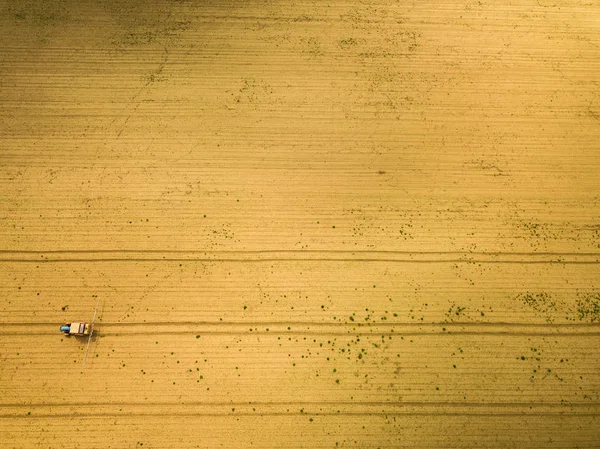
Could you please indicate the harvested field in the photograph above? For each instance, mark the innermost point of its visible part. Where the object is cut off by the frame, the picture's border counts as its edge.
(305, 224)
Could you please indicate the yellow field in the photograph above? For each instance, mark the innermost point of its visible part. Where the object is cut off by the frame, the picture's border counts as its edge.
(350, 224)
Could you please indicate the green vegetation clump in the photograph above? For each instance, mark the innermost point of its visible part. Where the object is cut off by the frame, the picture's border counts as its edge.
(540, 302)
(350, 42)
(588, 307)
(454, 310)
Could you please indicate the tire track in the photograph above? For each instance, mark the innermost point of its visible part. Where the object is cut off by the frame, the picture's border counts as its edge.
(308, 328)
(75, 256)
(295, 409)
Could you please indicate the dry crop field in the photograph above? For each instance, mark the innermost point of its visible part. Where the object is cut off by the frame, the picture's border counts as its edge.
(343, 224)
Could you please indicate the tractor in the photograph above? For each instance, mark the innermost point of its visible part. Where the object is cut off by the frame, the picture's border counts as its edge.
(76, 329)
